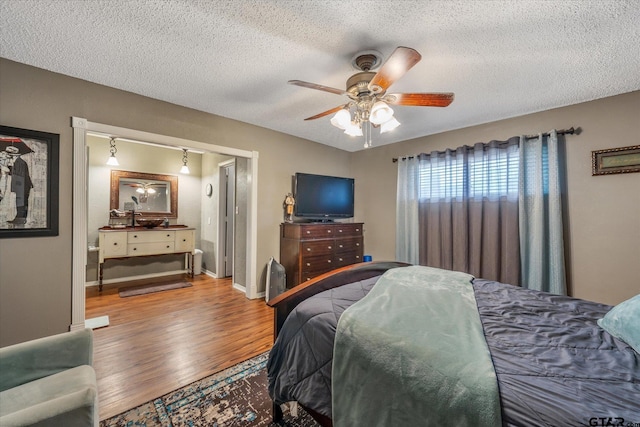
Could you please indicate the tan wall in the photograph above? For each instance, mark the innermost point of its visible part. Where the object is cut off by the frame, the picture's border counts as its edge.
(603, 238)
(35, 273)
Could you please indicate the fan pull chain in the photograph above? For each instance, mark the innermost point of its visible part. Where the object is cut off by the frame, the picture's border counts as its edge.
(366, 131)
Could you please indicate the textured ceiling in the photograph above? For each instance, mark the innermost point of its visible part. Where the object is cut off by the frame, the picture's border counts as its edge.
(234, 58)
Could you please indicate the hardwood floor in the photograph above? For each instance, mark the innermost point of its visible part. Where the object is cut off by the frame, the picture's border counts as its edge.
(159, 342)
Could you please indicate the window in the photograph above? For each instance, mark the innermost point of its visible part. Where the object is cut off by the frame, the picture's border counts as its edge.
(491, 172)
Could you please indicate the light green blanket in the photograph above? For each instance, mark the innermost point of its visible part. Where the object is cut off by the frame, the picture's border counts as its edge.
(412, 353)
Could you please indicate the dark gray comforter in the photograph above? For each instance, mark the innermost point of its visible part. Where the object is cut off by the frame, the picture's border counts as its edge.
(299, 366)
(555, 365)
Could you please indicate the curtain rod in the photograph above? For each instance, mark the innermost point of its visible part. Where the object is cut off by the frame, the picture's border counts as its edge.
(570, 131)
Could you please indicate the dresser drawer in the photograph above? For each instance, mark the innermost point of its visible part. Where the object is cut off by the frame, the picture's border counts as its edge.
(316, 231)
(150, 248)
(317, 263)
(151, 236)
(347, 230)
(321, 267)
(347, 258)
(349, 244)
(185, 241)
(317, 247)
(113, 244)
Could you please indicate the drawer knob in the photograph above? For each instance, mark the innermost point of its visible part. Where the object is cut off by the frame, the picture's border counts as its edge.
(135, 236)
(329, 261)
(308, 264)
(357, 244)
(328, 247)
(340, 259)
(184, 240)
(308, 249)
(357, 229)
(340, 231)
(135, 249)
(328, 231)
(115, 244)
(168, 235)
(308, 232)
(357, 256)
(167, 246)
(341, 246)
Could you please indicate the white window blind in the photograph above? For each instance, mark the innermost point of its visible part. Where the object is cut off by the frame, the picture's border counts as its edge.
(472, 173)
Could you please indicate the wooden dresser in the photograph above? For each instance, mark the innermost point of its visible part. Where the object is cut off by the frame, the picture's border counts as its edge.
(308, 250)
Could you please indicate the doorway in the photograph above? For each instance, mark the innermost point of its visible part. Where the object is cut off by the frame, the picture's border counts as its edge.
(80, 128)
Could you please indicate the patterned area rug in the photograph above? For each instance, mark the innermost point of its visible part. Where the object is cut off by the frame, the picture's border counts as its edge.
(236, 396)
(153, 287)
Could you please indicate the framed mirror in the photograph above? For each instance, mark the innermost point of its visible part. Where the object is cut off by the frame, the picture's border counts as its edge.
(152, 195)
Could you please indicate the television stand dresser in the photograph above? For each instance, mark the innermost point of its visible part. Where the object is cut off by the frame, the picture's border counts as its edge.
(308, 250)
(139, 241)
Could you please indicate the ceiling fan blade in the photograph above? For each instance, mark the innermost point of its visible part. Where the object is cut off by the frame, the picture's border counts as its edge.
(419, 99)
(317, 87)
(401, 60)
(326, 113)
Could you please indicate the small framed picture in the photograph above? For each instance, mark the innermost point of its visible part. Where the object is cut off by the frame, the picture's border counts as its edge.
(615, 160)
(28, 182)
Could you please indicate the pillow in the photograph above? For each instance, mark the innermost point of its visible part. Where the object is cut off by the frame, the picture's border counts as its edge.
(623, 322)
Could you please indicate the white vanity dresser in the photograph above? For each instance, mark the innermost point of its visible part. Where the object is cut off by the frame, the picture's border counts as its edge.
(118, 243)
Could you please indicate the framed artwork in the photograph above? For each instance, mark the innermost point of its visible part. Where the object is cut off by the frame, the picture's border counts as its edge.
(28, 182)
(615, 160)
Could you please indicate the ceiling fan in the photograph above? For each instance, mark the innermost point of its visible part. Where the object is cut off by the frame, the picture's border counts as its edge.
(368, 97)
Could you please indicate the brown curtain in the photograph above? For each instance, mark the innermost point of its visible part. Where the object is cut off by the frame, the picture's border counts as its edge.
(471, 226)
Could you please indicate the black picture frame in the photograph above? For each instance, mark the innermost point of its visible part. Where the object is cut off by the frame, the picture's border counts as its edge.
(39, 153)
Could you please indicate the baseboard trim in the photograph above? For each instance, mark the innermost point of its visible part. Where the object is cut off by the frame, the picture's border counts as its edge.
(243, 289)
(209, 273)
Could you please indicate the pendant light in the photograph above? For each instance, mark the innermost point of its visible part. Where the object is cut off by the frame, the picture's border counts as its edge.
(184, 169)
(113, 161)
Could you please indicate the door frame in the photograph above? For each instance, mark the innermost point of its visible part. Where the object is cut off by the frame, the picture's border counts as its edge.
(221, 225)
(81, 127)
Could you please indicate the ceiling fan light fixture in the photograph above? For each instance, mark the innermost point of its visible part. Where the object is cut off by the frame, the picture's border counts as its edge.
(367, 93)
(342, 119)
(389, 125)
(140, 190)
(353, 130)
(380, 113)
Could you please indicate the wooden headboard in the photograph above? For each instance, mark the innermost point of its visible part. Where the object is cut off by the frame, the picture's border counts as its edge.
(287, 301)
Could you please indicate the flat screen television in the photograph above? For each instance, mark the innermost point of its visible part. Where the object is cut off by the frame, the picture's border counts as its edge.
(323, 198)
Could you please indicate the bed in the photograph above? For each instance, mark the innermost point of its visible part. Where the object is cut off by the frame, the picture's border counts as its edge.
(422, 346)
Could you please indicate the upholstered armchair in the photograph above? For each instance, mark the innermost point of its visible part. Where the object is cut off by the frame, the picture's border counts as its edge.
(49, 382)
